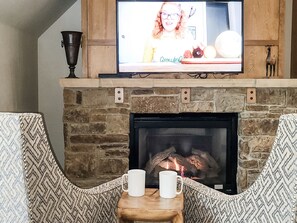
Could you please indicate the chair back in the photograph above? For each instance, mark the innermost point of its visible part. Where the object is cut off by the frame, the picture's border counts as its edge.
(13, 196)
(270, 199)
(33, 188)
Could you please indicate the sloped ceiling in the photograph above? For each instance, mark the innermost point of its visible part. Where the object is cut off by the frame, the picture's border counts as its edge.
(34, 16)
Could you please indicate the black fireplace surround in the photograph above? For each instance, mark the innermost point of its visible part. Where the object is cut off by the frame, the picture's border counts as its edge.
(202, 146)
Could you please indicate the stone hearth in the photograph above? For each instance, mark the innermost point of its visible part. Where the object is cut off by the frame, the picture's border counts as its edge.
(97, 129)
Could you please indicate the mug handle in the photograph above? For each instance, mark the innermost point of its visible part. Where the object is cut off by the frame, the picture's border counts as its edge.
(181, 184)
(124, 175)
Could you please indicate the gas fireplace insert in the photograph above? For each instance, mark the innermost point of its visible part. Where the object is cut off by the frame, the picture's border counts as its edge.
(201, 146)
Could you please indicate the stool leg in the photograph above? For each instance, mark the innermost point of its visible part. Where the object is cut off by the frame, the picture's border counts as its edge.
(179, 218)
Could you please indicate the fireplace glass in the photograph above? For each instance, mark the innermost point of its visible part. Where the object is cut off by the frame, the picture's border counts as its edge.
(201, 146)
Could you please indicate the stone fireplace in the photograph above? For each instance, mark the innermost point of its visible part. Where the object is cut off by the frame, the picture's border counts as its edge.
(96, 129)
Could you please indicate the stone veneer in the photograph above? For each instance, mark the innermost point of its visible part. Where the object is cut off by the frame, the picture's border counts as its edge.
(96, 129)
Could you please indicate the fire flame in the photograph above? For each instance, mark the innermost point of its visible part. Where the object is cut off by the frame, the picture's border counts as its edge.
(177, 167)
(174, 165)
(182, 172)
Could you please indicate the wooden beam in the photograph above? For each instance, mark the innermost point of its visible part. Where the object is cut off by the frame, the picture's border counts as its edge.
(261, 42)
(102, 42)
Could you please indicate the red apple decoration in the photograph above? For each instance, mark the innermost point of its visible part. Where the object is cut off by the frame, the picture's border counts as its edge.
(198, 52)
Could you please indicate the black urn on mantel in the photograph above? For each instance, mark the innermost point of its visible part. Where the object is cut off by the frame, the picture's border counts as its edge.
(71, 42)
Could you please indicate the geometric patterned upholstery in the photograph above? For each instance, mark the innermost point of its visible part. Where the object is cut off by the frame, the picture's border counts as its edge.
(13, 197)
(33, 185)
(272, 198)
(34, 189)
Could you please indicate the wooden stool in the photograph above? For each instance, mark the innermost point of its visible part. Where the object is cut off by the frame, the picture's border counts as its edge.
(150, 207)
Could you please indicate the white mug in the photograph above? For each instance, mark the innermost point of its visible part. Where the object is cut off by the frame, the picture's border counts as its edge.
(168, 184)
(136, 182)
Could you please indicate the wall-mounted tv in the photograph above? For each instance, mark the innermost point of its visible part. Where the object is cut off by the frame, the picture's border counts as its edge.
(186, 36)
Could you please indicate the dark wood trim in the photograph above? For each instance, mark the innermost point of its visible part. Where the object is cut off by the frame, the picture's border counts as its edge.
(84, 26)
(294, 41)
(261, 42)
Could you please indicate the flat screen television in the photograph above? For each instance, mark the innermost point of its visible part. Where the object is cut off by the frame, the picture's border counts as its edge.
(189, 36)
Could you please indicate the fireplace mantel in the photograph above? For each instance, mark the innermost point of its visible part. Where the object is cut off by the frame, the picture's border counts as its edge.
(172, 83)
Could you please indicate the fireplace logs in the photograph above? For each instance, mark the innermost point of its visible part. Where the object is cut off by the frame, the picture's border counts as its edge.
(197, 165)
(152, 163)
(181, 161)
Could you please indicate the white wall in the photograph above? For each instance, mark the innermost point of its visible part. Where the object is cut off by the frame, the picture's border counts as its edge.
(52, 66)
(18, 70)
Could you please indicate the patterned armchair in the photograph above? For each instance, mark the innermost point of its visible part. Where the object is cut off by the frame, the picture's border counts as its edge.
(271, 199)
(32, 186)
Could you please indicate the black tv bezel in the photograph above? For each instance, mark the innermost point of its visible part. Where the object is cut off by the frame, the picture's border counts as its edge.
(130, 74)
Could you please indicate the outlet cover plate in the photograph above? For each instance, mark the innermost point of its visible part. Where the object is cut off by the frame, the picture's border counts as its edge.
(185, 95)
(251, 96)
(119, 95)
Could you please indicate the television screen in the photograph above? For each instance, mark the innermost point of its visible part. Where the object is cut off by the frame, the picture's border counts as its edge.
(179, 36)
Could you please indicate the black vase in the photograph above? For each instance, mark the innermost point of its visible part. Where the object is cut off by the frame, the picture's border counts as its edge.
(71, 42)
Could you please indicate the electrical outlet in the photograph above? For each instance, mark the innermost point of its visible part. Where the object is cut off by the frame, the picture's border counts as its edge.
(119, 95)
(251, 96)
(185, 95)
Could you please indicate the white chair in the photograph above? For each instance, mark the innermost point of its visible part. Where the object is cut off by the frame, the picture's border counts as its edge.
(32, 186)
(272, 198)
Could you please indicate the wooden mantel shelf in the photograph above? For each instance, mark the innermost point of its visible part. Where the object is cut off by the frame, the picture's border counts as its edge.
(167, 83)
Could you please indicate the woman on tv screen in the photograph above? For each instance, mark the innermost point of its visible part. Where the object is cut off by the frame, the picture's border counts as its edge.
(170, 41)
